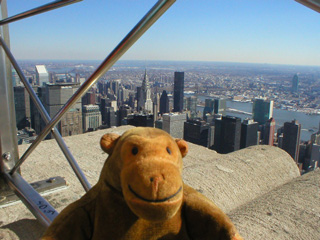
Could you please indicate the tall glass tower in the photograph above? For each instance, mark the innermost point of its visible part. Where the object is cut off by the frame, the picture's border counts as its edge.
(220, 106)
(262, 110)
(227, 134)
(164, 103)
(208, 108)
(295, 83)
(42, 75)
(291, 139)
(178, 91)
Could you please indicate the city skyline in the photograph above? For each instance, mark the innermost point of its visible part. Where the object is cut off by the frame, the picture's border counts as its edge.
(272, 32)
(121, 101)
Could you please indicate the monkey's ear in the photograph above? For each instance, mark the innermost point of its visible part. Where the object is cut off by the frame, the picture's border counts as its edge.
(108, 142)
(183, 146)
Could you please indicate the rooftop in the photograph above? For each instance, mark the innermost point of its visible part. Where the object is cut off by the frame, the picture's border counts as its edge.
(258, 187)
(41, 69)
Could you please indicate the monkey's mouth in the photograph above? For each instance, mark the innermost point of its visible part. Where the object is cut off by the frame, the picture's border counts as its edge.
(157, 200)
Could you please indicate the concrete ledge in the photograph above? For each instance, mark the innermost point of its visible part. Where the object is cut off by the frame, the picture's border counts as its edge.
(231, 180)
(291, 211)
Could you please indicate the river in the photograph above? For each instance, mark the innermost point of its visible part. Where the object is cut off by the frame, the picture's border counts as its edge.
(309, 123)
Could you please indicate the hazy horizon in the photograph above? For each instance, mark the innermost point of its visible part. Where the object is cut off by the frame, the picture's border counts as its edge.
(262, 32)
(145, 62)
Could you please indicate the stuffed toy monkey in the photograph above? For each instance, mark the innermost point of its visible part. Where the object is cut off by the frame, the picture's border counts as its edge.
(140, 195)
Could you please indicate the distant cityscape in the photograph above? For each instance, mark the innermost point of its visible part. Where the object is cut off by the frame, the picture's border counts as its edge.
(188, 100)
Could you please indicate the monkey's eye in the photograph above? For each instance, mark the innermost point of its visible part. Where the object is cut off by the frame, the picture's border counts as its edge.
(134, 150)
(168, 150)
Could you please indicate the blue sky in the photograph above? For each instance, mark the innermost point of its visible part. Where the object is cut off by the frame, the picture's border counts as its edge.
(256, 31)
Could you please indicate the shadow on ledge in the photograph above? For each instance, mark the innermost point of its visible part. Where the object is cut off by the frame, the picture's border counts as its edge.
(22, 229)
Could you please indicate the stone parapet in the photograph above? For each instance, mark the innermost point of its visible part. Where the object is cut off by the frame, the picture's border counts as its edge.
(259, 187)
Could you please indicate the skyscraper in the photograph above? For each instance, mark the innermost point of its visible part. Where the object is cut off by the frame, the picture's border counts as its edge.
(249, 130)
(22, 107)
(102, 86)
(91, 117)
(37, 123)
(312, 158)
(220, 106)
(291, 139)
(208, 107)
(164, 103)
(295, 83)
(178, 92)
(122, 113)
(132, 102)
(198, 132)
(123, 95)
(42, 75)
(192, 106)
(89, 98)
(15, 78)
(227, 134)
(108, 109)
(268, 134)
(173, 124)
(315, 138)
(110, 116)
(144, 96)
(140, 120)
(156, 105)
(280, 136)
(115, 87)
(56, 95)
(262, 110)
(77, 80)
(103, 105)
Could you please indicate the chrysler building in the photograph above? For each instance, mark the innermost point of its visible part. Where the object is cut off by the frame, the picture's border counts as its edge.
(144, 96)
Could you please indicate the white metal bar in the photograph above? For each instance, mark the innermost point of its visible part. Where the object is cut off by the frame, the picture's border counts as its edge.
(38, 10)
(313, 4)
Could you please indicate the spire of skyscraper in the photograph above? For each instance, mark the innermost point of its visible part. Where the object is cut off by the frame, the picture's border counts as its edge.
(144, 96)
(145, 82)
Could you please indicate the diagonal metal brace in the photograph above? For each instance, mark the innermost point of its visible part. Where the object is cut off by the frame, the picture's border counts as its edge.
(313, 4)
(40, 208)
(38, 10)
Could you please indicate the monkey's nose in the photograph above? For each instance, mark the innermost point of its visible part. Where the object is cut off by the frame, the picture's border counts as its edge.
(155, 180)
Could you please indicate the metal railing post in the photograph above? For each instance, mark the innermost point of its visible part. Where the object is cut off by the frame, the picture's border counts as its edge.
(8, 133)
(45, 116)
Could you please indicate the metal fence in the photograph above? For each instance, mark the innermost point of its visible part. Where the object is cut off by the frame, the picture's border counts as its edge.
(10, 161)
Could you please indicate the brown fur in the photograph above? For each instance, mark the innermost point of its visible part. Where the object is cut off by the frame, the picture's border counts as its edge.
(141, 195)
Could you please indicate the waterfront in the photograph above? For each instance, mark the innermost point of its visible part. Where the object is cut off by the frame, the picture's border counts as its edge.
(309, 123)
